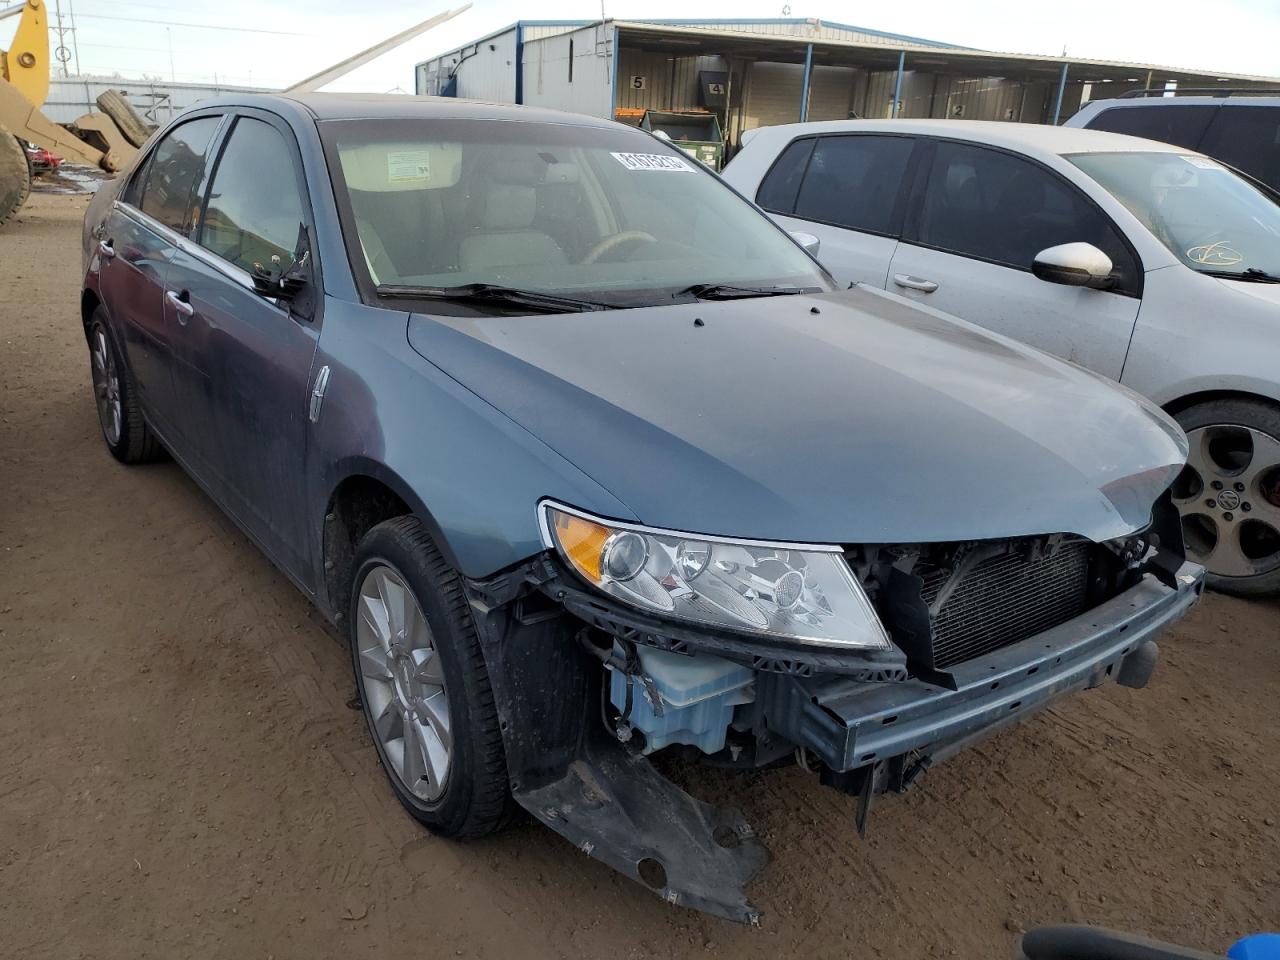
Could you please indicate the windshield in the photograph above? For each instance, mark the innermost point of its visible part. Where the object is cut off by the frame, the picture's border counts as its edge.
(1212, 219)
(607, 214)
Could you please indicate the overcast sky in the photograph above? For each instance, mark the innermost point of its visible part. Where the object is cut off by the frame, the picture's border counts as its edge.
(276, 42)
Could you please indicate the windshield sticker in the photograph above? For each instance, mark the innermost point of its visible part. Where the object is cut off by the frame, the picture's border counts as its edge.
(1204, 163)
(653, 161)
(404, 166)
(1214, 255)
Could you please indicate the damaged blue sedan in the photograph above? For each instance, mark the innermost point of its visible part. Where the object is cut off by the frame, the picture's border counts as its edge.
(590, 460)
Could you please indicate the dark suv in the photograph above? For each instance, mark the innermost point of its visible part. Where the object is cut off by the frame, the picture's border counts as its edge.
(1243, 132)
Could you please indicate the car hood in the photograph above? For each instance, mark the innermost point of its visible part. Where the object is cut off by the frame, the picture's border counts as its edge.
(852, 417)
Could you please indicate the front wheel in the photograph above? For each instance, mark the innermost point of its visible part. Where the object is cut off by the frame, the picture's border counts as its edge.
(423, 683)
(1229, 494)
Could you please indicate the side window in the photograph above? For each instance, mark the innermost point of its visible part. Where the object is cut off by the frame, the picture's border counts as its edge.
(174, 170)
(993, 206)
(1248, 138)
(255, 205)
(1181, 126)
(781, 184)
(854, 181)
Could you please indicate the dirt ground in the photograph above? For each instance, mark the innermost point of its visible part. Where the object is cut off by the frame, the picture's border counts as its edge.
(179, 776)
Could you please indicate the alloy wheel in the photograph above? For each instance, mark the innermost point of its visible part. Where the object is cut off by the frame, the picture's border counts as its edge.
(403, 684)
(1229, 498)
(106, 387)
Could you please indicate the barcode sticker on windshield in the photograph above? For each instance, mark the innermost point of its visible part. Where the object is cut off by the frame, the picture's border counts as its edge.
(653, 161)
(407, 165)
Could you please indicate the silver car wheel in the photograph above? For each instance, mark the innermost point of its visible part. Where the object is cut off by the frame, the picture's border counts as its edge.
(402, 683)
(1229, 498)
(106, 387)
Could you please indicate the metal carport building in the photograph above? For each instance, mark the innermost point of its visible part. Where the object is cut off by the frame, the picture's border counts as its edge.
(759, 72)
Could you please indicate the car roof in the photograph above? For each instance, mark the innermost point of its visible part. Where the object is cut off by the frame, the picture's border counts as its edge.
(388, 106)
(1021, 137)
(1188, 101)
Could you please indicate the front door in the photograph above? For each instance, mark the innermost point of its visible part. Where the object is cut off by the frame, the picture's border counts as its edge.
(244, 360)
(977, 222)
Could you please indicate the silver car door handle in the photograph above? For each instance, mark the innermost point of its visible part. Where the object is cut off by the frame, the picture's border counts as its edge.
(914, 283)
(106, 249)
(184, 307)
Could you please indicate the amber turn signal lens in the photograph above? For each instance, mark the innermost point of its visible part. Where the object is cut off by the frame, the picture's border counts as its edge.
(582, 542)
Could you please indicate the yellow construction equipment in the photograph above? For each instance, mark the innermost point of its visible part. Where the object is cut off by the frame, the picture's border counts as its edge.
(106, 139)
(24, 84)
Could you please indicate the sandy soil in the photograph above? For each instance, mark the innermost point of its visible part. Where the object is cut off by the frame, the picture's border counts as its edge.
(181, 778)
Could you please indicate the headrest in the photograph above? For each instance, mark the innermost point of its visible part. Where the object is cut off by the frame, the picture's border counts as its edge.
(508, 206)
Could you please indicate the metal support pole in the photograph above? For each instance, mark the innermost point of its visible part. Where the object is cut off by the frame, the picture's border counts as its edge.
(897, 84)
(1057, 102)
(804, 87)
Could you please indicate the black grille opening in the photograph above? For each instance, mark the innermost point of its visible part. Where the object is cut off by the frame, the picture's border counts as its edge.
(944, 604)
(1005, 599)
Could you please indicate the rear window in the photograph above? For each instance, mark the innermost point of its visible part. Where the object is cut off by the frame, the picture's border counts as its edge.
(1168, 123)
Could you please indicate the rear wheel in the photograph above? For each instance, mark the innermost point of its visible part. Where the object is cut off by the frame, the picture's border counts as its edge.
(125, 431)
(15, 177)
(1229, 494)
(423, 683)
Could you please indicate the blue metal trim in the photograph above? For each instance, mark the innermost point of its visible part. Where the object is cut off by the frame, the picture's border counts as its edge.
(897, 84)
(613, 79)
(520, 62)
(791, 21)
(1062, 86)
(804, 84)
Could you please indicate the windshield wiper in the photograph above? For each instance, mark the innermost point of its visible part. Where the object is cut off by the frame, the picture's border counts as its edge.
(1250, 273)
(729, 291)
(494, 293)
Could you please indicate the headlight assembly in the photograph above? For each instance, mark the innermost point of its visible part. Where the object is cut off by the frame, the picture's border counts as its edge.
(804, 594)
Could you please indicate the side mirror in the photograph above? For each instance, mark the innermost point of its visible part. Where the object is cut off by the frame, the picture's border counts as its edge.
(280, 282)
(1074, 264)
(808, 241)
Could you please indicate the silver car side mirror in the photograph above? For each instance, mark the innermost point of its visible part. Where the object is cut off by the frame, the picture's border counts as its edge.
(806, 240)
(1074, 264)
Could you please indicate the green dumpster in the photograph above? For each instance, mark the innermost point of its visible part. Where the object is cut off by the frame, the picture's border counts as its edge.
(697, 134)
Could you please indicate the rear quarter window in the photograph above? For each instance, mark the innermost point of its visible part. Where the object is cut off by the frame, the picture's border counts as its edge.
(1247, 138)
(1182, 126)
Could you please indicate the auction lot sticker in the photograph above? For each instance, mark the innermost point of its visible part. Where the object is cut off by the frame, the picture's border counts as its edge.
(653, 161)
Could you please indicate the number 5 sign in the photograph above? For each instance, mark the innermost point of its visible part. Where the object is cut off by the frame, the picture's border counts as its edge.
(637, 83)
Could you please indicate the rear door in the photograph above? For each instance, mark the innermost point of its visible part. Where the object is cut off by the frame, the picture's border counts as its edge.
(245, 359)
(846, 189)
(137, 242)
(977, 219)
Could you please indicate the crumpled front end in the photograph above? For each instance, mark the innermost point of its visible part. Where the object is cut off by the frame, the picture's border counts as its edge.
(983, 634)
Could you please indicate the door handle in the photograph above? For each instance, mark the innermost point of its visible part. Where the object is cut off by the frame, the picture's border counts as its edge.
(181, 303)
(106, 248)
(914, 283)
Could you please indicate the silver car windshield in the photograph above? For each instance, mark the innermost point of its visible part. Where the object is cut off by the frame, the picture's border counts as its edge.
(614, 215)
(1212, 219)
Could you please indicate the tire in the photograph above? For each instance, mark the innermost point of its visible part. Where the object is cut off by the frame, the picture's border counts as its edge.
(132, 127)
(471, 799)
(1229, 494)
(124, 430)
(15, 177)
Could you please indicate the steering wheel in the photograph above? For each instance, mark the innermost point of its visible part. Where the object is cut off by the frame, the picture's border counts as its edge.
(617, 240)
